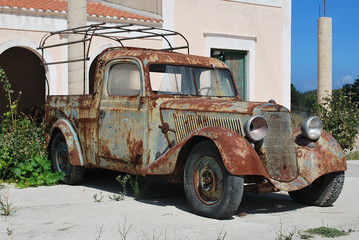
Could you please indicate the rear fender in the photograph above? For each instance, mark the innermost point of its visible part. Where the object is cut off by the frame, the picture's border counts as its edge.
(238, 155)
(72, 140)
(327, 156)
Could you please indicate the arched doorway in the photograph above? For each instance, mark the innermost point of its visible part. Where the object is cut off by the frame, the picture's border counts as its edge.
(23, 69)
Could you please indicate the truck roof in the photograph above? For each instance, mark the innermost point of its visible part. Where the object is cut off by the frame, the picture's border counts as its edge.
(151, 56)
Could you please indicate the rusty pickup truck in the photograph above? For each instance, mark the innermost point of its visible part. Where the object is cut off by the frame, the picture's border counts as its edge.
(164, 113)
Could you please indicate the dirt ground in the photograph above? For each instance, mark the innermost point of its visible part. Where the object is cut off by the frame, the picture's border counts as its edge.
(70, 212)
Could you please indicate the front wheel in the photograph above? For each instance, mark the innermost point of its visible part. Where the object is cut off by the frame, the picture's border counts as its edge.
(210, 189)
(61, 161)
(324, 191)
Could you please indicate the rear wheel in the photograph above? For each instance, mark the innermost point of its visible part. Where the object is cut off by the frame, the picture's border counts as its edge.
(210, 189)
(324, 191)
(61, 162)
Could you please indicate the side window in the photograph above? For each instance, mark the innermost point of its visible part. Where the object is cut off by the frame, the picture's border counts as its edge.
(124, 80)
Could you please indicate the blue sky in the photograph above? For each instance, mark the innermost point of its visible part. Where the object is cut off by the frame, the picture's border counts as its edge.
(345, 15)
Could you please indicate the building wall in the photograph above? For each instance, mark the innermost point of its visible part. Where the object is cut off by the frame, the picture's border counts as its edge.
(19, 30)
(262, 28)
(259, 27)
(24, 30)
(153, 6)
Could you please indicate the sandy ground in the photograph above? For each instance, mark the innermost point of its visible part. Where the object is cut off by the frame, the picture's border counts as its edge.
(70, 212)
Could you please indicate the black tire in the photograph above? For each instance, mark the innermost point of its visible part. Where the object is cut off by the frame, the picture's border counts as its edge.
(211, 191)
(61, 162)
(323, 192)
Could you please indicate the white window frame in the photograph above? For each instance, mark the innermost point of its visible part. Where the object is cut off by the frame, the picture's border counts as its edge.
(237, 43)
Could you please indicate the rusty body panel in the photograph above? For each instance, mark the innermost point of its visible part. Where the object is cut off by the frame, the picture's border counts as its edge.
(327, 156)
(152, 134)
(81, 114)
(231, 145)
(72, 140)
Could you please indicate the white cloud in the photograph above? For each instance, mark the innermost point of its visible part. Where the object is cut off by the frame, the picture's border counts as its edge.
(346, 79)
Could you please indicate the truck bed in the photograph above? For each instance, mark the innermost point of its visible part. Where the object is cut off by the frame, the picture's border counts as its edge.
(82, 112)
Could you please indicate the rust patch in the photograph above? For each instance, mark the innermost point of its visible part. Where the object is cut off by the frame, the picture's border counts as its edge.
(210, 105)
(238, 155)
(327, 156)
(47, 139)
(135, 148)
(73, 144)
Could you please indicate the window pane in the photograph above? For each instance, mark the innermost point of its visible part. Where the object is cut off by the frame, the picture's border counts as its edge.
(188, 80)
(215, 83)
(124, 80)
(170, 79)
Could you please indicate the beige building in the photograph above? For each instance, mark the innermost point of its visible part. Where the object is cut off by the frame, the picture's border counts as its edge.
(253, 37)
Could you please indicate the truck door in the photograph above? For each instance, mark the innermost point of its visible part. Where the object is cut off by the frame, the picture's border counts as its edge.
(122, 114)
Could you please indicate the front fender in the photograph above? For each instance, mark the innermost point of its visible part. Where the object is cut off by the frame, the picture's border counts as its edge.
(72, 140)
(327, 156)
(238, 155)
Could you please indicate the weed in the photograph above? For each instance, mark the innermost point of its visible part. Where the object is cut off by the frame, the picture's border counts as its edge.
(8, 92)
(100, 231)
(6, 207)
(328, 232)
(123, 181)
(154, 236)
(285, 235)
(140, 187)
(98, 198)
(124, 230)
(222, 235)
(304, 235)
(23, 156)
(9, 231)
(116, 197)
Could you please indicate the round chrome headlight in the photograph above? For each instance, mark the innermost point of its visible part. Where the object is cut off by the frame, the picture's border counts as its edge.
(256, 128)
(312, 128)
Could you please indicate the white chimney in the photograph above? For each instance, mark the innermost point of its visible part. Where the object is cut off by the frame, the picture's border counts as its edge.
(324, 57)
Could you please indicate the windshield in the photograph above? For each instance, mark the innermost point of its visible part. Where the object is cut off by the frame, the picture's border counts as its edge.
(195, 81)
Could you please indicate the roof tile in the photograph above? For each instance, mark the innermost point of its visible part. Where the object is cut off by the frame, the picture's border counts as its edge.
(93, 9)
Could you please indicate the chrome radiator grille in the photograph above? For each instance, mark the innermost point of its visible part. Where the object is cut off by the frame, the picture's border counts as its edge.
(186, 124)
(280, 156)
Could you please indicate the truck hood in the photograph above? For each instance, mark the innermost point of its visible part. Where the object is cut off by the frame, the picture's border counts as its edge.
(277, 150)
(221, 105)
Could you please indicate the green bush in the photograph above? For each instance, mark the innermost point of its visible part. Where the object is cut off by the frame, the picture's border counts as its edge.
(340, 117)
(354, 155)
(23, 157)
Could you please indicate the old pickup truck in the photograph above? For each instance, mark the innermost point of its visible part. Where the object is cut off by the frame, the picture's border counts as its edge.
(164, 113)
